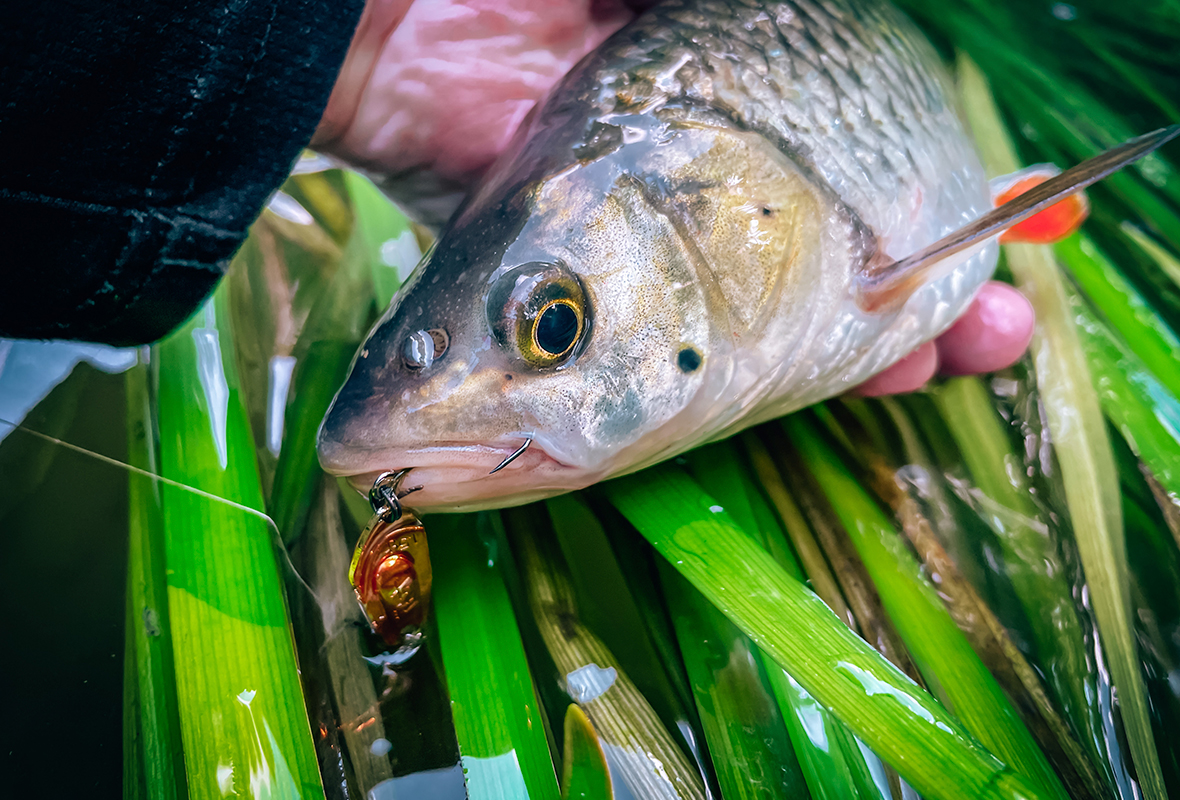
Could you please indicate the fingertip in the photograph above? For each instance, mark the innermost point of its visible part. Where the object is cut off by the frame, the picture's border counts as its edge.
(993, 334)
(907, 375)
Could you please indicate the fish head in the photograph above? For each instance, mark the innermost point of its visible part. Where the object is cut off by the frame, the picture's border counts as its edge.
(597, 308)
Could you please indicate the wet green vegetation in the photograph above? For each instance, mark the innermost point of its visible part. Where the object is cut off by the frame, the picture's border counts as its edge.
(969, 592)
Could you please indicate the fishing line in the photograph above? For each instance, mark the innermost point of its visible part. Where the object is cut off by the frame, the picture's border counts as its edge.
(270, 523)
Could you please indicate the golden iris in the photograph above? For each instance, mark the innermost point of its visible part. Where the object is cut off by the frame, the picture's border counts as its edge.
(555, 330)
(538, 310)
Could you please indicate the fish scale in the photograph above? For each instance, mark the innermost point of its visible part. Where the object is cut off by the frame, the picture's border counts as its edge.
(849, 89)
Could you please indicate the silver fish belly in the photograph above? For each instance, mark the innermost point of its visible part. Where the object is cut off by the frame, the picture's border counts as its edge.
(668, 253)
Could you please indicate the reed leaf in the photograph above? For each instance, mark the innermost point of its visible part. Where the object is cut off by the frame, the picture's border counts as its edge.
(584, 772)
(1144, 412)
(336, 324)
(318, 370)
(751, 752)
(864, 599)
(389, 246)
(242, 718)
(619, 612)
(947, 662)
(156, 720)
(639, 748)
(1123, 307)
(831, 760)
(810, 556)
(497, 716)
(983, 630)
(1031, 558)
(134, 781)
(1079, 435)
(1167, 263)
(893, 716)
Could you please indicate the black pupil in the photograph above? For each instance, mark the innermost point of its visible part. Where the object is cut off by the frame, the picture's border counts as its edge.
(688, 360)
(557, 328)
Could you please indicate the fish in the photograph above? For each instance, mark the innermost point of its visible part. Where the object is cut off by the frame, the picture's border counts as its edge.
(725, 213)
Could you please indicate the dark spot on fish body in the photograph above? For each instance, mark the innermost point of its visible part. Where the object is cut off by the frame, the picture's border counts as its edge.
(766, 212)
(507, 376)
(688, 359)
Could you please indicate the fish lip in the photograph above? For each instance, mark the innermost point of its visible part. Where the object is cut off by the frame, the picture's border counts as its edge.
(448, 470)
(471, 454)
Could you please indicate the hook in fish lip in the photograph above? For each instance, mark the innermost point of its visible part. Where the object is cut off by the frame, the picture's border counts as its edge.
(528, 440)
(385, 497)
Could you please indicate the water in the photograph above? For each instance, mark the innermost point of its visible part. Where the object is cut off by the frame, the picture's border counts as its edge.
(63, 556)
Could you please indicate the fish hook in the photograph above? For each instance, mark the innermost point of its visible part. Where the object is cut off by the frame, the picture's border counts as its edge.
(384, 498)
(528, 440)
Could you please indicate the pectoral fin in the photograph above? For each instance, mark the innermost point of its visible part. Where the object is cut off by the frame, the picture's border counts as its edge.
(885, 285)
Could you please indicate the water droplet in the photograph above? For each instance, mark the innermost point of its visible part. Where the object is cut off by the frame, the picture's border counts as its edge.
(1064, 12)
(590, 682)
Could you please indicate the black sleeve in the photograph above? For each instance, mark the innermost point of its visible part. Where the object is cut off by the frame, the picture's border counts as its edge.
(138, 141)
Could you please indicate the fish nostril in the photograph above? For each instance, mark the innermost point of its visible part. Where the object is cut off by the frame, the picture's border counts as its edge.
(423, 348)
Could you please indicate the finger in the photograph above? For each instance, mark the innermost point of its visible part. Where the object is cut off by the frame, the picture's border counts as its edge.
(907, 375)
(442, 86)
(992, 335)
(378, 22)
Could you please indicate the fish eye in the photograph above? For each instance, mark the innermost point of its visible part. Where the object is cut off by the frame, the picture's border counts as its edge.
(538, 312)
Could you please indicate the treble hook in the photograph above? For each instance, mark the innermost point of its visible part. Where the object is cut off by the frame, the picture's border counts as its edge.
(514, 456)
(384, 498)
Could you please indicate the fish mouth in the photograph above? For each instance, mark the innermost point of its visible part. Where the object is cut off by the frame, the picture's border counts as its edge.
(459, 476)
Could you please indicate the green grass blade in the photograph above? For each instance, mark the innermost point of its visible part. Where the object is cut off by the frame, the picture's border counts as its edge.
(639, 748)
(149, 643)
(318, 186)
(1080, 440)
(617, 609)
(497, 716)
(1063, 120)
(241, 706)
(870, 617)
(752, 754)
(927, 477)
(1123, 307)
(982, 629)
(944, 656)
(829, 758)
(134, 785)
(1167, 263)
(1144, 412)
(335, 326)
(1125, 70)
(892, 715)
(584, 773)
(834, 767)
(389, 245)
(319, 371)
(1033, 564)
(810, 556)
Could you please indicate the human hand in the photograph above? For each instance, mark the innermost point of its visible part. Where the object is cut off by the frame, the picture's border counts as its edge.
(431, 92)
